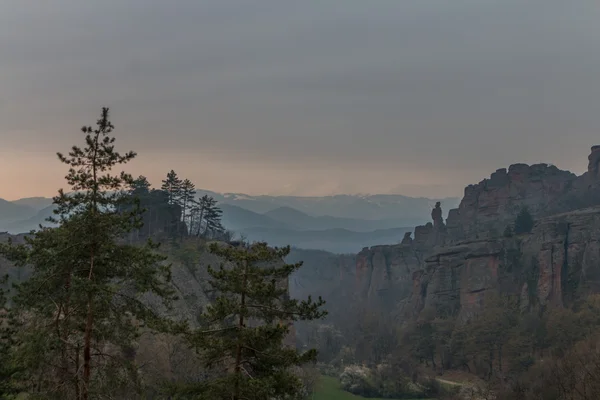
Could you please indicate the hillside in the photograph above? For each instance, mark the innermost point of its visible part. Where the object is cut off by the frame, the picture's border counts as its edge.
(37, 203)
(31, 223)
(239, 219)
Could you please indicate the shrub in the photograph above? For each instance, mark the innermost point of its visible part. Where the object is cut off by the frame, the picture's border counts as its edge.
(358, 380)
(524, 221)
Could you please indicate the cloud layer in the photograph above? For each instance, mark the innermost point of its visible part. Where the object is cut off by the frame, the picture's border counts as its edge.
(301, 97)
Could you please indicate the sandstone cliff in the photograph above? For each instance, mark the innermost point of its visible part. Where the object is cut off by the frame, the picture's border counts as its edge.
(448, 267)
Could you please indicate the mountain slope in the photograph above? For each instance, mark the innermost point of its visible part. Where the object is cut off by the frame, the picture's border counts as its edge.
(10, 211)
(31, 223)
(304, 221)
(36, 203)
(237, 218)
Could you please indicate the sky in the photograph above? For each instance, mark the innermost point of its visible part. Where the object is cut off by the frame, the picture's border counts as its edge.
(311, 97)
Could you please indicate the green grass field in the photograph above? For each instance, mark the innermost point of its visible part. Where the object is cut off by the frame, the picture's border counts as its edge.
(329, 389)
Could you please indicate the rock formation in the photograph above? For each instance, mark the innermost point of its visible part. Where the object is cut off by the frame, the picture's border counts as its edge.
(490, 205)
(594, 162)
(436, 215)
(448, 268)
(407, 239)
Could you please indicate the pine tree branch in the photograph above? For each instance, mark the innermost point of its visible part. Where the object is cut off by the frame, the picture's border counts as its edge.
(275, 310)
(211, 331)
(246, 372)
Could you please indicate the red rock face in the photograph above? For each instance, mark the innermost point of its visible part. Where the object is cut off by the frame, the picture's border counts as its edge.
(550, 261)
(493, 203)
(454, 267)
(363, 272)
(479, 275)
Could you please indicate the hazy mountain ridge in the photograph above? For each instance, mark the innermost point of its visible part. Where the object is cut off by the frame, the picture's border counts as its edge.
(359, 220)
(304, 221)
(26, 225)
(369, 207)
(37, 203)
(10, 211)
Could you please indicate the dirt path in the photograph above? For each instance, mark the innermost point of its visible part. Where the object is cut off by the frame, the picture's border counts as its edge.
(450, 382)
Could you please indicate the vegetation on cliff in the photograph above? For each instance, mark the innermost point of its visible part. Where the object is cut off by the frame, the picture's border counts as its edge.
(523, 221)
(243, 331)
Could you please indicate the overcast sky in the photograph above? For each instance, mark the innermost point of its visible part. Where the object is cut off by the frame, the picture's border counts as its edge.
(307, 97)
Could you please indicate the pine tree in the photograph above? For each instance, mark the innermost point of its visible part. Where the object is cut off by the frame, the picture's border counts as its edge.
(198, 212)
(195, 218)
(78, 311)
(206, 217)
(140, 186)
(242, 339)
(212, 217)
(172, 185)
(140, 194)
(187, 200)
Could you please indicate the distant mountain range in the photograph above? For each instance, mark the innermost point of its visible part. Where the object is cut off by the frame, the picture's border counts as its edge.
(340, 224)
(363, 207)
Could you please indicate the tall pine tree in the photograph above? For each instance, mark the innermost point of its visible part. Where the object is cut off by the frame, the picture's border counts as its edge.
(172, 186)
(212, 217)
(78, 311)
(187, 200)
(242, 340)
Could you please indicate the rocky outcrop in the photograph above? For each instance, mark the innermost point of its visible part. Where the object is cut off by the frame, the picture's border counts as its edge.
(551, 266)
(384, 274)
(407, 239)
(594, 163)
(493, 203)
(563, 253)
(436, 216)
(448, 269)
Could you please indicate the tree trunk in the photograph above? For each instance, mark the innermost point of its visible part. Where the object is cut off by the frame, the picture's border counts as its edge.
(76, 377)
(238, 355)
(87, 346)
(66, 329)
(87, 341)
(500, 358)
(200, 221)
